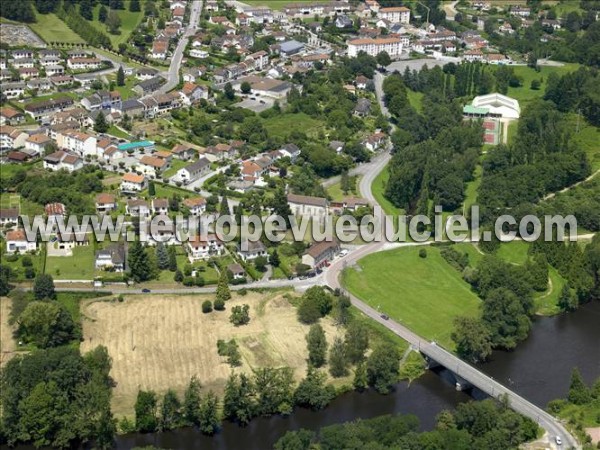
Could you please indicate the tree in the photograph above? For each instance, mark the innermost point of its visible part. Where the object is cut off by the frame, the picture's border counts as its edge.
(579, 393)
(120, 76)
(316, 303)
(151, 189)
(46, 324)
(356, 341)
(317, 345)
(137, 260)
(223, 292)
(172, 259)
(21, 11)
(219, 304)
(472, 338)
(134, 6)
(146, 406)
(206, 306)
(568, 300)
(209, 420)
(295, 440)
(274, 259)
(535, 84)
(224, 208)
(162, 256)
(245, 87)
(43, 287)
(506, 318)
(102, 14)
(170, 414)
(337, 359)
(229, 92)
(383, 59)
(361, 380)
(238, 401)
(312, 392)
(191, 402)
(281, 206)
(383, 367)
(85, 9)
(178, 278)
(240, 315)
(274, 390)
(101, 125)
(260, 262)
(113, 22)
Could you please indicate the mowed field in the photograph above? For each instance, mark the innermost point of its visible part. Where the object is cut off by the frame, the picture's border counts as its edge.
(51, 29)
(8, 345)
(160, 342)
(424, 294)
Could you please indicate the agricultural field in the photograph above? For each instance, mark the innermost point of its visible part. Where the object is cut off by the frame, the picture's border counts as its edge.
(161, 342)
(424, 294)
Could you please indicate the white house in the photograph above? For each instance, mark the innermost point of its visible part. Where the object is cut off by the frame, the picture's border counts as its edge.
(16, 241)
(196, 205)
(36, 144)
(498, 105)
(132, 182)
(192, 93)
(395, 14)
(199, 248)
(137, 208)
(194, 171)
(391, 45)
(62, 160)
(84, 63)
(255, 249)
(82, 143)
(306, 206)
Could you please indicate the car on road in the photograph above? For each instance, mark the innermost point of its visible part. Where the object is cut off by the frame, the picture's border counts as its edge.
(343, 253)
(385, 317)
(146, 290)
(558, 440)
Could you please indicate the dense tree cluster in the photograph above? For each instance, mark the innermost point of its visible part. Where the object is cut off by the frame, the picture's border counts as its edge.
(72, 189)
(58, 398)
(473, 425)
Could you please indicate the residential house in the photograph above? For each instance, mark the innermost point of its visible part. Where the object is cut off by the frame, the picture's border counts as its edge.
(84, 63)
(10, 116)
(145, 73)
(253, 251)
(375, 141)
(61, 160)
(236, 270)
(194, 171)
(105, 203)
(362, 108)
(289, 48)
(160, 48)
(395, 14)
(102, 100)
(24, 63)
(343, 22)
(132, 107)
(196, 205)
(307, 206)
(44, 108)
(160, 206)
(132, 183)
(82, 143)
(361, 82)
(11, 138)
(27, 73)
(320, 254)
(9, 216)
(111, 258)
(152, 166)
(221, 151)
(199, 248)
(36, 144)
(183, 152)
(12, 90)
(149, 86)
(22, 53)
(372, 47)
(137, 208)
(17, 242)
(291, 151)
(192, 93)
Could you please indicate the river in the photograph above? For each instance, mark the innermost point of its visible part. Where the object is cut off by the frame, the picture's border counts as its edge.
(539, 369)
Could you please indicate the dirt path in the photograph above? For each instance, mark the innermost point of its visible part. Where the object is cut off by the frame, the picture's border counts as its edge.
(553, 194)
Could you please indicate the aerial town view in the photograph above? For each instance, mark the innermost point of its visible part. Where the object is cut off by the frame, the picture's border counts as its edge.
(300, 224)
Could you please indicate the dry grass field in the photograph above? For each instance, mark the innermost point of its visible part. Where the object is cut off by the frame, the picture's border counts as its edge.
(8, 346)
(161, 342)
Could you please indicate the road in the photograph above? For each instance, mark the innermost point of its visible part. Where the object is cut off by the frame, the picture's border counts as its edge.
(450, 9)
(172, 75)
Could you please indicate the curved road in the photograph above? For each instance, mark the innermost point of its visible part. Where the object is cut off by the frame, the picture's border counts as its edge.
(172, 75)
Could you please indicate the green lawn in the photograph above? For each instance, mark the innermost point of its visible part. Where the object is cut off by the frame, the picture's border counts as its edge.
(425, 294)
(415, 99)
(588, 137)
(546, 303)
(117, 132)
(471, 190)
(80, 266)
(378, 189)
(129, 21)
(513, 252)
(176, 164)
(524, 93)
(336, 193)
(51, 29)
(284, 124)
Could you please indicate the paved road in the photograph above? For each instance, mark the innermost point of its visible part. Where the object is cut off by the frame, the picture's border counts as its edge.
(172, 75)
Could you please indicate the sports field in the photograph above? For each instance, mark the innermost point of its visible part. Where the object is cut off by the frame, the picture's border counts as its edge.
(425, 294)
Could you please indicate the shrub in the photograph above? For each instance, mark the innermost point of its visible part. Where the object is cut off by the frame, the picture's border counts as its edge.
(207, 306)
(423, 253)
(219, 304)
(243, 291)
(26, 261)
